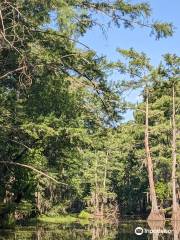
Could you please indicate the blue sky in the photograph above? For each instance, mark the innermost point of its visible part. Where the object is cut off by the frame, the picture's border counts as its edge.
(139, 39)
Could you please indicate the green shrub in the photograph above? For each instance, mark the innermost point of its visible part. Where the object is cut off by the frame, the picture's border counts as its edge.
(57, 210)
(85, 215)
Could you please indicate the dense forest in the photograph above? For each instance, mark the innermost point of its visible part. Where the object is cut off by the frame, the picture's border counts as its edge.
(64, 144)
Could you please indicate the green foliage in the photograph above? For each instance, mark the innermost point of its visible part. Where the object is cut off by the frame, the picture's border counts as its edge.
(60, 219)
(162, 191)
(162, 30)
(59, 112)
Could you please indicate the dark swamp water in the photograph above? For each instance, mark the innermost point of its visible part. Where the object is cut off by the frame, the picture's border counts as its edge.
(124, 231)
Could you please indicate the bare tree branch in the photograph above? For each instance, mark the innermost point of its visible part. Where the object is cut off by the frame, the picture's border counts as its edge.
(8, 73)
(33, 169)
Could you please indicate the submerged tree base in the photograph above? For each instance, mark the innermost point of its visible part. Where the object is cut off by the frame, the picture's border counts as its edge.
(156, 216)
(156, 225)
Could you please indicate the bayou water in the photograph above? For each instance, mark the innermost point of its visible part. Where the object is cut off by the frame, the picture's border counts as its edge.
(125, 230)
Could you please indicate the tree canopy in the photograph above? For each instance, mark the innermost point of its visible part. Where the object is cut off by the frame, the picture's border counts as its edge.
(63, 146)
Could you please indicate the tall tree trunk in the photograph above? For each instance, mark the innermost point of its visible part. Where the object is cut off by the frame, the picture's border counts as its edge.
(176, 210)
(104, 184)
(155, 212)
(96, 191)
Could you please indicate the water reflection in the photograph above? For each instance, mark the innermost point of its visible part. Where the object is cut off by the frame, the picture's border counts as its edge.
(156, 228)
(176, 229)
(124, 231)
(60, 232)
(101, 231)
